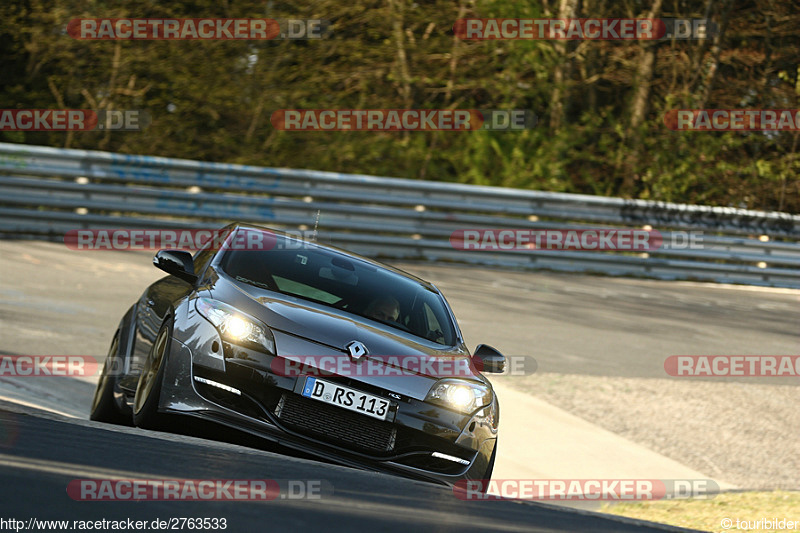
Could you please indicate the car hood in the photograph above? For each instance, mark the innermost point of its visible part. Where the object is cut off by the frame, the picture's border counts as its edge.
(328, 331)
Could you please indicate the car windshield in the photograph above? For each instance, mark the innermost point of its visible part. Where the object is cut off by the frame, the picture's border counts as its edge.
(343, 282)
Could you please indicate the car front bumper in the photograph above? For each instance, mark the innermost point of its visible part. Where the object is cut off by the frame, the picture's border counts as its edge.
(255, 399)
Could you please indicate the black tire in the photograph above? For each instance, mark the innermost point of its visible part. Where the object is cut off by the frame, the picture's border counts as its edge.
(148, 391)
(104, 408)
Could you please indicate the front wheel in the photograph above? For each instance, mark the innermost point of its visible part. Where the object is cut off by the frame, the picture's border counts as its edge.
(104, 408)
(148, 391)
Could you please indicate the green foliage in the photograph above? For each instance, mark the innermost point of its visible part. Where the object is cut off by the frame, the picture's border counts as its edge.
(213, 100)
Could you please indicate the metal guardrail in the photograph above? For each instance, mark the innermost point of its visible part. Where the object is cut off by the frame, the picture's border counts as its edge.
(45, 192)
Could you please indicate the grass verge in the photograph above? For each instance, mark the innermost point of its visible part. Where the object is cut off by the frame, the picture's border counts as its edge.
(708, 515)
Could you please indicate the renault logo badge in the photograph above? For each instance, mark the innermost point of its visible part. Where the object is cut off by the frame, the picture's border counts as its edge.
(357, 350)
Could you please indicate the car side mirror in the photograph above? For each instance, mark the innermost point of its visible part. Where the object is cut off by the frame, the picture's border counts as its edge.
(491, 360)
(179, 263)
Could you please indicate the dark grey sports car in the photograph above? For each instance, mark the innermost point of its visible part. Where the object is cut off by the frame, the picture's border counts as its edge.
(309, 346)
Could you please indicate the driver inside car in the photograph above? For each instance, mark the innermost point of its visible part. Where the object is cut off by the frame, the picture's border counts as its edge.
(384, 309)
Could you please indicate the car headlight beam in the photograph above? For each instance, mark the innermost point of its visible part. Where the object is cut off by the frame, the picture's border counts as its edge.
(459, 396)
(464, 396)
(235, 326)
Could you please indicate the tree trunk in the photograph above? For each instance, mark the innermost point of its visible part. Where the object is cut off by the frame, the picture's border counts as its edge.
(716, 48)
(558, 96)
(644, 78)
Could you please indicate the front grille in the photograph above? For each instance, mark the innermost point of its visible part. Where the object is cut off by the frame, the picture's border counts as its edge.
(335, 425)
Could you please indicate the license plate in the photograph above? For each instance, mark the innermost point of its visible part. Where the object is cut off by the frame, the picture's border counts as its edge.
(335, 394)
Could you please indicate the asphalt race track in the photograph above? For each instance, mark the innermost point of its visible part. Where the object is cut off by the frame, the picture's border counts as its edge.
(46, 454)
(55, 301)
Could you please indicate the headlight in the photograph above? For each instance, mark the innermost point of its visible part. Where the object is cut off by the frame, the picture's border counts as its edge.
(235, 326)
(464, 396)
